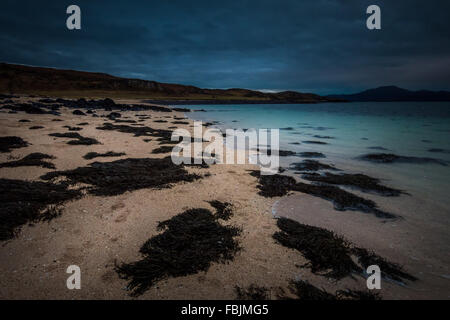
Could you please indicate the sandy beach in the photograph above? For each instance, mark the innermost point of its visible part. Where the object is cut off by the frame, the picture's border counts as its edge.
(98, 233)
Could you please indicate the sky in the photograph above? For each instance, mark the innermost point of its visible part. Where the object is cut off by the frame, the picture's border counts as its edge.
(318, 46)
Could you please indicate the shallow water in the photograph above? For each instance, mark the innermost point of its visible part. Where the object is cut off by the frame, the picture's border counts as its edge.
(353, 129)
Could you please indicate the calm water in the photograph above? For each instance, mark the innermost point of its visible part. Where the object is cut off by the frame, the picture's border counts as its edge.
(350, 130)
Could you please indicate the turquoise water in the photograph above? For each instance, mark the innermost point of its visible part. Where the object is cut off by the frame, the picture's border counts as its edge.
(350, 130)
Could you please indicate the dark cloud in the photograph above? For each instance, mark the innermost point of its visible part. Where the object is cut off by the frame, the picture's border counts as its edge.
(320, 46)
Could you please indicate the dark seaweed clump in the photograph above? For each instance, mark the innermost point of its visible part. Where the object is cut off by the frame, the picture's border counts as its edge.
(73, 128)
(117, 177)
(11, 142)
(80, 140)
(191, 241)
(252, 292)
(24, 120)
(78, 113)
(162, 149)
(92, 155)
(331, 255)
(275, 185)
(30, 108)
(281, 153)
(160, 121)
(138, 131)
(23, 202)
(224, 210)
(327, 252)
(311, 165)
(180, 122)
(360, 181)
(388, 269)
(391, 158)
(312, 154)
(36, 127)
(280, 185)
(33, 159)
(82, 124)
(342, 199)
(314, 142)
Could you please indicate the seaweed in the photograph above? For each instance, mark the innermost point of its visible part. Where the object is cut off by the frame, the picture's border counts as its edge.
(24, 120)
(138, 131)
(253, 292)
(190, 243)
(73, 128)
(438, 150)
(30, 108)
(160, 121)
(311, 165)
(312, 154)
(391, 158)
(36, 127)
(11, 142)
(280, 185)
(306, 291)
(224, 210)
(322, 137)
(80, 140)
(180, 122)
(360, 181)
(92, 155)
(78, 113)
(388, 269)
(23, 202)
(124, 121)
(162, 149)
(329, 254)
(117, 177)
(314, 142)
(343, 200)
(82, 124)
(281, 153)
(275, 185)
(33, 159)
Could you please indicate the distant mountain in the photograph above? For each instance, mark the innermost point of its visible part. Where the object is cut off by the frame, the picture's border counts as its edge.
(19, 79)
(393, 93)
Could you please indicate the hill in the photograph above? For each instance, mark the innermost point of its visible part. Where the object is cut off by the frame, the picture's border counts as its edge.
(20, 79)
(393, 93)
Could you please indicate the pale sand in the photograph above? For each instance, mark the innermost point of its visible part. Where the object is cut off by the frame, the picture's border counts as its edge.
(94, 232)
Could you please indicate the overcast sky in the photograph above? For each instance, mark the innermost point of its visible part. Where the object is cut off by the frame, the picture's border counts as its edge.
(319, 46)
